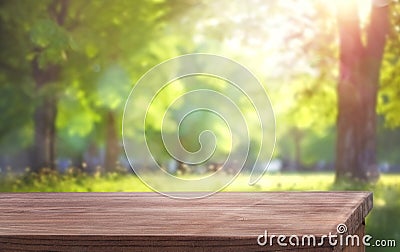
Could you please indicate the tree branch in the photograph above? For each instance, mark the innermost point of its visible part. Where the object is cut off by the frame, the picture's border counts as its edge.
(58, 10)
(377, 31)
(351, 47)
(349, 30)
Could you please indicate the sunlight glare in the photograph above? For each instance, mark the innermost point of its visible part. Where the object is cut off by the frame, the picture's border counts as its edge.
(364, 8)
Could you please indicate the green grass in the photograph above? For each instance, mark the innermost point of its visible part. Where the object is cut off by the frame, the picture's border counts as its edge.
(382, 223)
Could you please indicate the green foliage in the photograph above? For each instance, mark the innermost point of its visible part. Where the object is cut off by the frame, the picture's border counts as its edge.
(319, 147)
(112, 87)
(389, 92)
(311, 104)
(102, 48)
(388, 142)
(15, 134)
(51, 40)
(68, 119)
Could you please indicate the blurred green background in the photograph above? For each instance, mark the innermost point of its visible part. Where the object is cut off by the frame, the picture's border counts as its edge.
(67, 67)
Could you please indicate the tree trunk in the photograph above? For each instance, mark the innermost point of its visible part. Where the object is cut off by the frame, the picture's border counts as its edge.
(112, 146)
(297, 137)
(357, 93)
(43, 154)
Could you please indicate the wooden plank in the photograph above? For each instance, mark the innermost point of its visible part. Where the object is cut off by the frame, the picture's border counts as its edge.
(360, 232)
(147, 221)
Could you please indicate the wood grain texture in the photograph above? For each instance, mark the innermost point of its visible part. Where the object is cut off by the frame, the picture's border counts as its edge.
(148, 221)
(360, 232)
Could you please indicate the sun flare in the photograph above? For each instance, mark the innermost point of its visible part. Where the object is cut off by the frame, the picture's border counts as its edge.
(363, 6)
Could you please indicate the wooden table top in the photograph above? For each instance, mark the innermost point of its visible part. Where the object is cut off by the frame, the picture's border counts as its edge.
(226, 215)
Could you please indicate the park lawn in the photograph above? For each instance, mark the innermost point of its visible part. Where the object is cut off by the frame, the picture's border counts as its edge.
(382, 223)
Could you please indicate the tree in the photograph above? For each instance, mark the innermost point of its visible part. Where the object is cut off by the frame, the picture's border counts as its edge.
(64, 46)
(44, 74)
(357, 89)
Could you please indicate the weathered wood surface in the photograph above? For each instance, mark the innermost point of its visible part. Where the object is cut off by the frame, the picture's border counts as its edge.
(148, 221)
